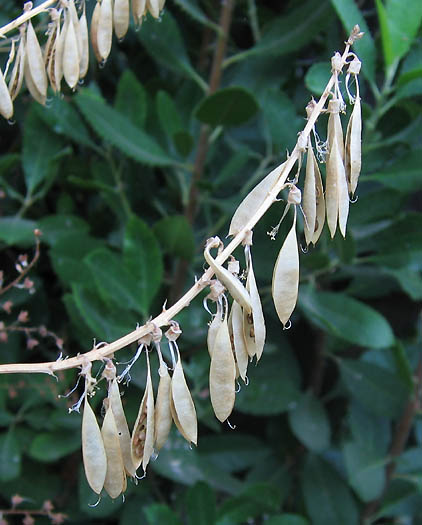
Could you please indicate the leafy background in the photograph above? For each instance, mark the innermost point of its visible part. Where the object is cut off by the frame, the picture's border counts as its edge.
(105, 173)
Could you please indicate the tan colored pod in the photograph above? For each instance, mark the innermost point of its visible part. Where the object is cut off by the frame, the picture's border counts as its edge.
(309, 195)
(153, 7)
(285, 282)
(105, 29)
(93, 452)
(71, 10)
(240, 350)
(259, 331)
(94, 30)
(161, 3)
(16, 77)
(70, 55)
(320, 204)
(115, 480)
(84, 55)
(163, 417)
(213, 329)
(335, 129)
(184, 409)
(138, 10)
(331, 187)
(35, 64)
(353, 148)
(58, 58)
(122, 427)
(222, 374)
(253, 201)
(121, 18)
(343, 198)
(32, 88)
(6, 104)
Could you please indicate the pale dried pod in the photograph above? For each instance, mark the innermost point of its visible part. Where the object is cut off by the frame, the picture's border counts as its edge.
(153, 7)
(17, 74)
(259, 331)
(335, 129)
(71, 10)
(309, 195)
(163, 417)
(336, 194)
(121, 18)
(35, 75)
(56, 63)
(214, 327)
(93, 452)
(353, 147)
(94, 30)
(115, 480)
(222, 374)
(240, 349)
(183, 407)
(6, 104)
(285, 283)
(161, 3)
(70, 54)
(84, 39)
(105, 29)
(52, 35)
(139, 8)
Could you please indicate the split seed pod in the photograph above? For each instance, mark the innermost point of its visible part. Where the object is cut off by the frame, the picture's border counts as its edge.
(259, 332)
(313, 199)
(35, 75)
(142, 442)
(222, 374)
(183, 409)
(6, 104)
(240, 349)
(105, 29)
(121, 18)
(353, 146)
(285, 283)
(16, 77)
(163, 418)
(115, 480)
(122, 427)
(93, 452)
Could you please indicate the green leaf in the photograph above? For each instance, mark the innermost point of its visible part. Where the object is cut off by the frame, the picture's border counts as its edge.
(115, 284)
(200, 505)
(403, 175)
(379, 390)
(327, 497)
(176, 236)
(57, 227)
(183, 141)
(160, 513)
(191, 8)
(346, 318)
(117, 129)
(164, 43)
(410, 281)
(309, 423)
(287, 519)
(40, 148)
(231, 106)
(168, 113)
(349, 14)
(14, 230)
(10, 456)
(143, 258)
(131, 99)
(370, 431)
(317, 77)
(54, 445)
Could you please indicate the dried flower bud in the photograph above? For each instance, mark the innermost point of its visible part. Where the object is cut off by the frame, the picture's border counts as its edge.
(109, 371)
(233, 265)
(354, 66)
(27, 6)
(174, 331)
(336, 62)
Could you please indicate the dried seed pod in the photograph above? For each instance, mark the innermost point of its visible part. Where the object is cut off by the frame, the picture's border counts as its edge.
(309, 195)
(142, 442)
(163, 418)
(353, 146)
(213, 328)
(161, 3)
(71, 10)
(84, 54)
(6, 104)
(334, 126)
(240, 350)
(52, 36)
(153, 7)
(115, 480)
(105, 29)
(139, 8)
(122, 427)
(336, 195)
(253, 201)
(32, 88)
(70, 54)
(285, 282)
(35, 66)
(16, 77)
(121, 18)
(222, 374)
(93, 452)
(259, 331)
(183, 409)
(231, 282)
(94, 30)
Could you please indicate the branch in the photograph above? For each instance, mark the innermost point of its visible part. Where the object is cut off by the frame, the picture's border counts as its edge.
(27, 15)
(97, 354)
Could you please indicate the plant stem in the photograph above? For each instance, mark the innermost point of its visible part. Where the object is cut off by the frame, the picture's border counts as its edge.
(14, 24)
(253, 19)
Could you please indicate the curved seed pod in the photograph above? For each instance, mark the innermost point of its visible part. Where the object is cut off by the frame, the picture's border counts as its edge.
(335, 129)
(309, 195)
(331, 189)
(70, 55)
(320, 204)
(286, 276)
(56, 67)
(184, 409)
(6, 104)
(16, 77)
(105, 29)
(343, 198)
(93, 452)
(230, 281)
(84, 55)
(35, 62)
(32, 88)
(240, 350)
(163, 417)
(122, 427)
(222, 374)
(229, 324)
(94, 30)
(257, 315)
(249, 333)
(161, 3)
(353, 146)
(71, 10)
(121, 18)
(51, 40)
(115, 480)
(154, 7)
(213, 329)
(138, 10)
(253, 200)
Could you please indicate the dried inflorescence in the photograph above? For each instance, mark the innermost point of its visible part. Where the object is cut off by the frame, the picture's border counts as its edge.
(66, 52)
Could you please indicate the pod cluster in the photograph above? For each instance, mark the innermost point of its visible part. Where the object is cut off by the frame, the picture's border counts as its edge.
(65, 55)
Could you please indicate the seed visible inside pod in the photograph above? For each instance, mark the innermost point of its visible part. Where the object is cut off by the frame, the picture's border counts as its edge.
(184, 409)
(93, 452)
(115, 480)
(285, 282)
(240, 350)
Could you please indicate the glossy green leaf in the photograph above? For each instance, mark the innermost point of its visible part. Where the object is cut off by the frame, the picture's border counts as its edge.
(287, 519)
(10, 456)
(231, 106)
(168, 113)
(160, 513)
(200, 505)
(309, 423)
(54, 228)
(52, 446)
(191, 8)
(327, 496)
(410, 281)
(131, 99)
(403, 175)
(317, 77)
(117, 129)
(176, 236)
(346, 318)
(15, 230)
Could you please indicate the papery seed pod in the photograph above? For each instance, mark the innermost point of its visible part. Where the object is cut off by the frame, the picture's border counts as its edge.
(336, 196)
(285, 282)
(56, 64)
(163, 417)
(142, 442)
(161, 3)
(222, 374)
(71, 10)
(16, 77)
(153, 7)
(35, 66)
(105, 29)
(334, 126)
(213, 328)
(182, 405)
(253, 201)
(121, 18)
(93, 452)
(259, 331)
(240, 350)
(231, 282)
(6, 104)
(52, 35)
(343, 199)
(309, 195)
(70, 55)
(84, 55)
(32, 88)
(122, 427)
(320, 204)
(138, 11)
(353, 147)
(115, 480)
(94, 30)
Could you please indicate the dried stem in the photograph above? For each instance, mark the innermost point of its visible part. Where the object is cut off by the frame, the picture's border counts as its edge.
(164, 318)
(14, 24)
